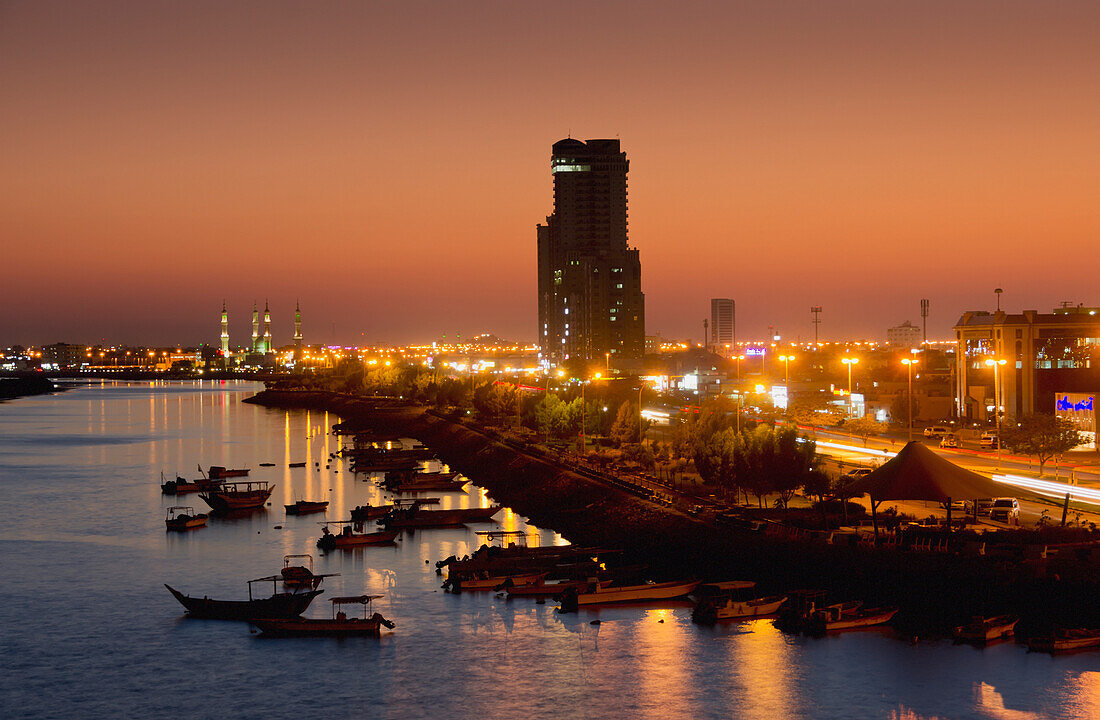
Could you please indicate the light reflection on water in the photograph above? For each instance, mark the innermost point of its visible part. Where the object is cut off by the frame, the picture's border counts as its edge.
(88, 630)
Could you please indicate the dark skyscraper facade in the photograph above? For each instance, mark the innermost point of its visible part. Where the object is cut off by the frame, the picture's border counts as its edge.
(723, 323)
(590, 280)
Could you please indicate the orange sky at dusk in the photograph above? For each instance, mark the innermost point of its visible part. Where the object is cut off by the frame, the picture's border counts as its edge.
(386, 163)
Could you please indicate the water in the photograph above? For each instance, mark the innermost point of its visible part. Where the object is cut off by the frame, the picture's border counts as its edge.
(88, 630)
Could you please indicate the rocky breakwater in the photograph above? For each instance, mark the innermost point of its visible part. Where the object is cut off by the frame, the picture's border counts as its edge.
(934, 590)
(13, 387)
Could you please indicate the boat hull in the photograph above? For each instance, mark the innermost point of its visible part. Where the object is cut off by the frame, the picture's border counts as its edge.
(444, 518)
(281, 605)
(860, 619)
(637, 593)
(308, 627)
(303, 507)
(343, 542)
(226, 502)
(988, 631)
(1066, 641)
(184, 524)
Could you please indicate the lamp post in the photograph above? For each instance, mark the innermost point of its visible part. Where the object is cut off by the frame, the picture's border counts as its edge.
(849, 362)
(994, 363)
(640, 413)
(786, 368)
(909, 363)
(739, 358)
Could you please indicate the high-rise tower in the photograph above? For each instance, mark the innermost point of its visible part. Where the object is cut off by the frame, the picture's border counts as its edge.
(723, 323)
(267, 329)
(297, 331)
(255, 329)
(590, 286)
(225, 331)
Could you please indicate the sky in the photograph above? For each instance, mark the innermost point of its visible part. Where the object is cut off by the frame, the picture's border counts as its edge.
(385, 163)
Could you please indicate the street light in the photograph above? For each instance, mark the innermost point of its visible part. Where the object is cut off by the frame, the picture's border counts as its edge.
(786, 368)
(909, 363)
(993, 363)
(739, 358)
(849, 362)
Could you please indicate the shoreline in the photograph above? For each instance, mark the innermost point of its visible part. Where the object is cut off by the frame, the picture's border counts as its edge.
(27, 386)
(934, 591)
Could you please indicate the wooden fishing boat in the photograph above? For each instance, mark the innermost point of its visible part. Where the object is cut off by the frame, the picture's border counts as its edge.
(350, 538)
(1067, 640)
(305, 507)
(983, 629)
(230, 496)
(182, 517)
(297, 464)
(267, 464)
(834, 618)
(298, 572)
(732, 599)
(339, 625)
(600, 592)
(406, 516)
(279, 605)
(217, 472)
(182, 486)
(415, 486)
(543, 588)
(363, 513)
(483, 581)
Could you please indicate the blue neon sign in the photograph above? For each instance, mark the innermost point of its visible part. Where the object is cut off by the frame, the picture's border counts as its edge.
(1067, 405)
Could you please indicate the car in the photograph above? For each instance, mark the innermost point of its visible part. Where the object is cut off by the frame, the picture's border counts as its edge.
(951, 440)
(1005, 510)
(936, 431)
(857, 473)
(990, 441)
(962, 505)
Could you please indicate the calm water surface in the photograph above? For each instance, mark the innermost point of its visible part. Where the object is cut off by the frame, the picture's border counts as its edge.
(88, 630)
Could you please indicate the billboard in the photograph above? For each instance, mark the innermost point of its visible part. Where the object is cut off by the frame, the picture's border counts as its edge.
(1079, 409)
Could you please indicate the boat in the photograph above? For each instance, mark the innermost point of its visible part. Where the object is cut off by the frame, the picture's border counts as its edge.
(297, 464)
(484, 581)
(1067, 640)
(182, 517)
(429, 485)
(217, 472)
(833, 618)
(298, 572)
(363, 513)
(230, 496)
(279, 605)
(305, 507)
(349, 537)
(267, 464)
(732, 599)
(600, 592)
(406, 515)
(982, 629)
(339, 625)
(182, 486)
(543, 588)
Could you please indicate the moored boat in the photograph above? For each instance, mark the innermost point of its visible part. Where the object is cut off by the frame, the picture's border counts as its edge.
(305, 507)
(833, 618)
(349, 537)
(279, 605)
(298, 572)
(230, 496)
(411, 515)
(182, 486)
(217, 472)
(339, 625)
(982, 629)
(297, 464)
(492, 582)
(182, 517)
(1067, 640)
(600, 592)
(732, 599)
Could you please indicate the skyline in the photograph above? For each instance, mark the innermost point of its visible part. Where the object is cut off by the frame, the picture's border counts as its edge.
(389, 171)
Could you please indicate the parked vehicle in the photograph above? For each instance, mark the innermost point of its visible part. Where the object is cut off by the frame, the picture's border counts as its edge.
(936, 431)
(951, 440)
(1005, 510)
(858, 473)
(989, 441)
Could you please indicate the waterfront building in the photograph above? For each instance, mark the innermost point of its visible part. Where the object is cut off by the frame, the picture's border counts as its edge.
(1045, 357)
(63, 355)
(267, 346)
(255, 329)
(297, 331)
(589, 280)
(225, 331)
(907, 335)
(723, 324)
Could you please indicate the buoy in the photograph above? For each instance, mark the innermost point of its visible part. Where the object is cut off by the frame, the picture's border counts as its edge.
(594, 622)
(278, 527)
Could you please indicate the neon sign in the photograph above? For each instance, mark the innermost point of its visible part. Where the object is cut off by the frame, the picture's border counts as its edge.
(754, 352)
(1067, 405)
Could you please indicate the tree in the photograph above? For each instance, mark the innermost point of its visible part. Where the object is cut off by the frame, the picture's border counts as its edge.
(1041, 435)
(626, 425)
(814, 410)
(865, 427)
(899, 409)
(817, 483)
(715, 458)
(770, 460)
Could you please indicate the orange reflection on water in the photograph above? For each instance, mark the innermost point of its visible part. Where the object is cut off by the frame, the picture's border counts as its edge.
(664, 660)
(760, 665)
(1085, 691)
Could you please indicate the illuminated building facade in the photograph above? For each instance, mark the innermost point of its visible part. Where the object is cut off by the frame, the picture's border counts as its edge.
(297, 331)
(589, 280)
(225, 331)
(907, 335)
(723, 323)
(255, 329)
(266, 346)
(1046, 356)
